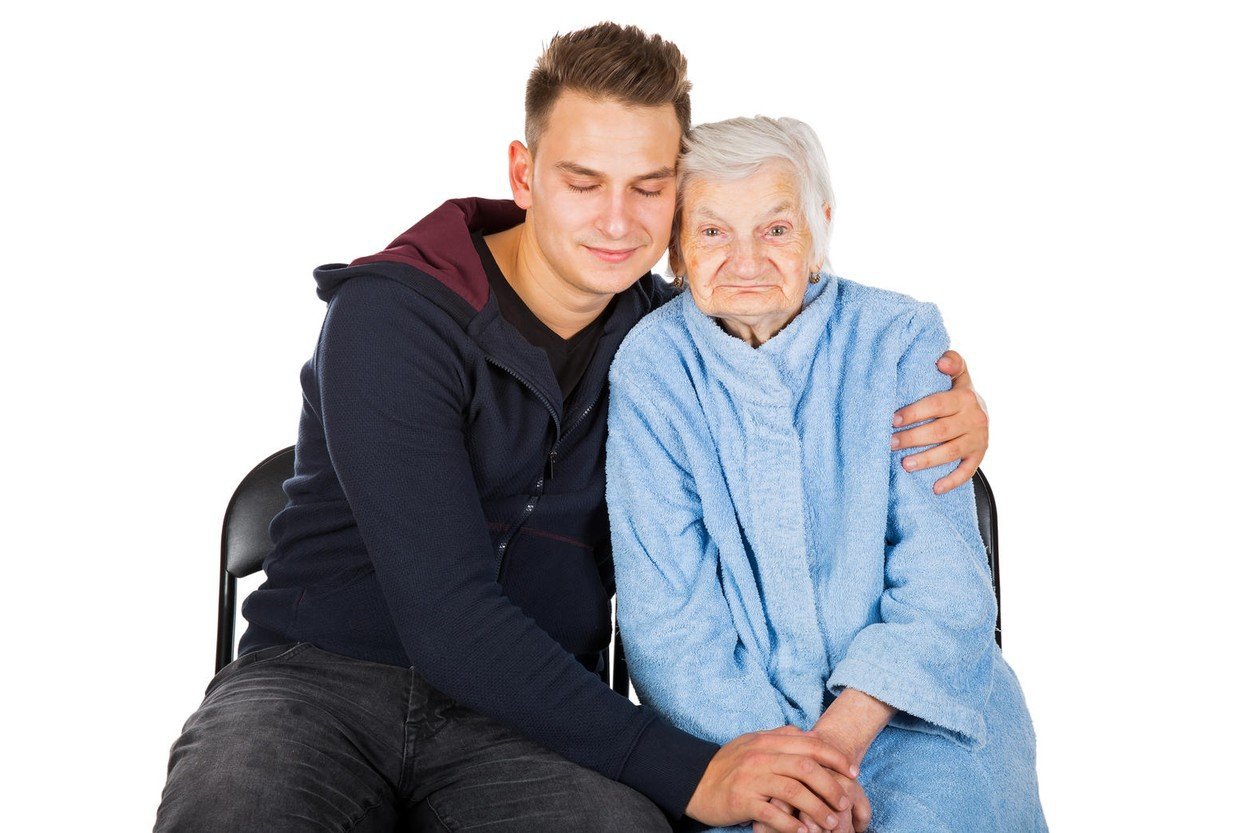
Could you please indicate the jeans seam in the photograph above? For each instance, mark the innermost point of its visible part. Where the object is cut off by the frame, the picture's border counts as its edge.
(410, 740)
(218, 678)
(351, 825)
(438, 817)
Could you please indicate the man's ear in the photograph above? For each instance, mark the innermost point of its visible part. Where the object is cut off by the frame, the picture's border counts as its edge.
(520, 175)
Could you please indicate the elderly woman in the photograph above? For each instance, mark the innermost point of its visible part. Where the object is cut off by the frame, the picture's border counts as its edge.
(775, 564)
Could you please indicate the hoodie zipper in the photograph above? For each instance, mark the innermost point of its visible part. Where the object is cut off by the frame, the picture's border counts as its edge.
(501, 548)
(577, 420)
(539, 487)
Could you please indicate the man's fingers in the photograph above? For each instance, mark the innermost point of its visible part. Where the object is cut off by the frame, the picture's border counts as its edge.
(961, 475)
(813, 826)
(814, 789)
(936, 456)
(941, 404)
(938, 431)
(767, 814)
(952, 364)
(797, 795)
(760, 827)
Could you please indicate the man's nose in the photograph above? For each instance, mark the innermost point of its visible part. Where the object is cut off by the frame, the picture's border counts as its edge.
(614, 220)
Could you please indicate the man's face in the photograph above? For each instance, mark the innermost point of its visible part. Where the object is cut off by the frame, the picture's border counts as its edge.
(601, 191)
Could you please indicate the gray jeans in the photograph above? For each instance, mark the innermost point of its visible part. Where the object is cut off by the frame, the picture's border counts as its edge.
(293, 738)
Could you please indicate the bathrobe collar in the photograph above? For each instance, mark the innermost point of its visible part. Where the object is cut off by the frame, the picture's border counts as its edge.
(777, 371)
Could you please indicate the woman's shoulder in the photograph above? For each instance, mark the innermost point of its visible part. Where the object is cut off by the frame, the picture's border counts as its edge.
(657, 342)
(884, 305)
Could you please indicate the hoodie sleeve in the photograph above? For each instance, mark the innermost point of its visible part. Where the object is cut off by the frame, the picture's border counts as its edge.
(685, 656)
(930, 656)
(393, 405)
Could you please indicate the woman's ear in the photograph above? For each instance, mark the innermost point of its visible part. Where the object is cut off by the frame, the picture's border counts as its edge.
(676, 264)
(828, 212)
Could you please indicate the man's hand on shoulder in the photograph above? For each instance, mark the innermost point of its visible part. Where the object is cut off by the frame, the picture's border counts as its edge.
(784, 763)
(960, 424)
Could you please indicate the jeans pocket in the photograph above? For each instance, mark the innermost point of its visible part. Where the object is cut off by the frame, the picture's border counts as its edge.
(251, 658)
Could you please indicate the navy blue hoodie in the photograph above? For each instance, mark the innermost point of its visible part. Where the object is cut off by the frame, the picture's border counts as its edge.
(448, 514)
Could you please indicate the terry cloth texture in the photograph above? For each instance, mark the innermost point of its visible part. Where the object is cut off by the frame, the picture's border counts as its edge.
(447, 514)
(771, 551)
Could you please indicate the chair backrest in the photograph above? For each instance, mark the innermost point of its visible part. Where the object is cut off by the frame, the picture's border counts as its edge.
(987, 523)
(245, 543)
(245, 537)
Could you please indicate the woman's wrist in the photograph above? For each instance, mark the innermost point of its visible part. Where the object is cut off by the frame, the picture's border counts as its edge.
(853, 721)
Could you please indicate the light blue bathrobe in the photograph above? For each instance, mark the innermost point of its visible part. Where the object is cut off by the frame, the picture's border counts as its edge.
(771, 551)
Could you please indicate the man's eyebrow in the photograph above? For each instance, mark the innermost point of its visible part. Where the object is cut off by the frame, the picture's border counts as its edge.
(667, 172)
(659, 173)
(578, 170)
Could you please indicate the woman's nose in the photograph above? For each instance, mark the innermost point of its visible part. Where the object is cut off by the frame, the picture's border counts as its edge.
(745, 259)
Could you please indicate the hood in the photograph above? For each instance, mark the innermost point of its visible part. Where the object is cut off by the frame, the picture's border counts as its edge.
(440, 246)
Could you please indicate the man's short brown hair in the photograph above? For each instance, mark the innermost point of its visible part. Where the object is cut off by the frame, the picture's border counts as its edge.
(609, 61)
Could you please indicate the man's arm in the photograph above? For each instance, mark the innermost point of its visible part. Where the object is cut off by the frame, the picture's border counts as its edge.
(960, 424)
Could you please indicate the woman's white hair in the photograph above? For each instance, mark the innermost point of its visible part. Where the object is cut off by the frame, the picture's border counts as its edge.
(737, 148)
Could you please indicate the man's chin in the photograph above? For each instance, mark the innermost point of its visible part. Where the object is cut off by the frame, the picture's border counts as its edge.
(618, 276)
(618, 281)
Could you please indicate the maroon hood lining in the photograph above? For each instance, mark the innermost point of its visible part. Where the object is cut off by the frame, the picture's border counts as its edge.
(441, 246)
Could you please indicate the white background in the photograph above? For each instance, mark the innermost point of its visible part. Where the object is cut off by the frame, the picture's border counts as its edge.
(1068, 181)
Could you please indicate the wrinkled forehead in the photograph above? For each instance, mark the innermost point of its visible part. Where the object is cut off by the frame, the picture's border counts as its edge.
(743, 198)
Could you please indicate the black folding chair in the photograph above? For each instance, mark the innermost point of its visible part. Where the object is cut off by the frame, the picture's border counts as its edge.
(245, 538)
(259, 497)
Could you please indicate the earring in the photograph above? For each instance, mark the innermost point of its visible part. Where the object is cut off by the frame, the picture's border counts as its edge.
(813, 278)
(679, 282)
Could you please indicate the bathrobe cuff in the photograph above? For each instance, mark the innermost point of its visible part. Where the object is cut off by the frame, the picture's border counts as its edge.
(920, 708)
(666, 765)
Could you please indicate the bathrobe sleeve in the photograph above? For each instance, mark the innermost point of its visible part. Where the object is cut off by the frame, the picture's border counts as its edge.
(930, 656)
(685, 657)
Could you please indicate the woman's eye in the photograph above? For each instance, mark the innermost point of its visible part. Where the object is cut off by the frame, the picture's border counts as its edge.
(711, 232)
(777, 231)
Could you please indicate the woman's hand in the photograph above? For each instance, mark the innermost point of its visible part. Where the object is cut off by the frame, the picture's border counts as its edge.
(800, 768)
(855, 817)
(960, 423)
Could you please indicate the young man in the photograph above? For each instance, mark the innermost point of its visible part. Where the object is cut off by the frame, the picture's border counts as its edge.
(429, 645)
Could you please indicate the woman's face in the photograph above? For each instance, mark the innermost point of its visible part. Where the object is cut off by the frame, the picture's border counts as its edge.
(747, 250)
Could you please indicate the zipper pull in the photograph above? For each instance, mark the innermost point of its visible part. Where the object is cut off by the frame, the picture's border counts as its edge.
(551, 465)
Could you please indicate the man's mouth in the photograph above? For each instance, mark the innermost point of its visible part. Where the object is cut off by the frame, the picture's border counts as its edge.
(613, 255)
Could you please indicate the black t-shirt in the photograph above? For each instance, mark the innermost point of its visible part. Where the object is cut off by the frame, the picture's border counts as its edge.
(568, 356)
